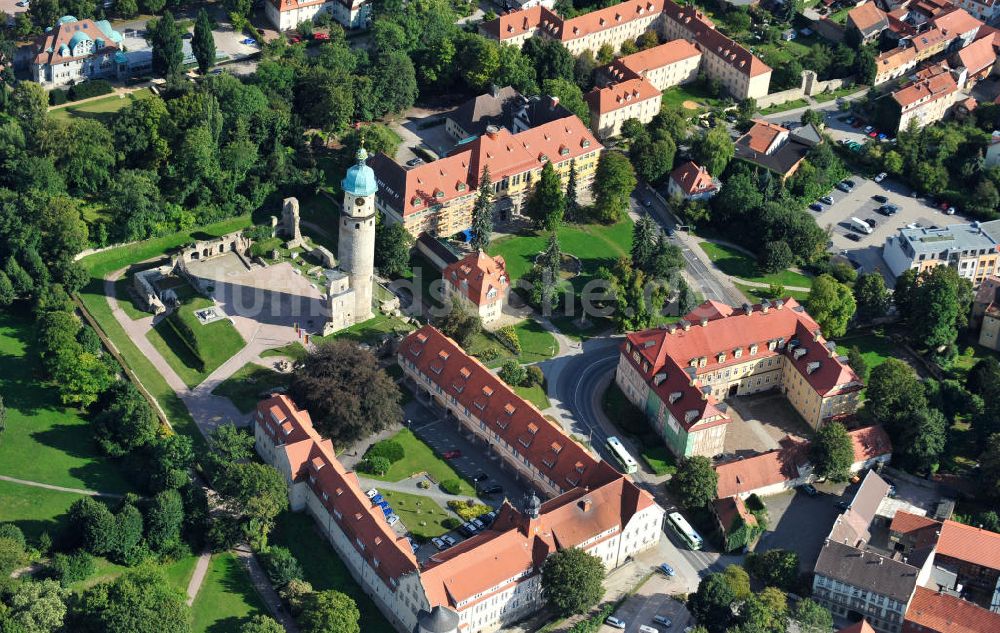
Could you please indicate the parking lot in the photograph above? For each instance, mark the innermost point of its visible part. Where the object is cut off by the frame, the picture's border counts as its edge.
(434, 138)
(859, 203)
(800, 523)
(653, 599)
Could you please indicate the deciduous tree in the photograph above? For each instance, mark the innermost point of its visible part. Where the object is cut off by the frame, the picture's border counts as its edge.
(138, 601)
(871, 296)
(125, 422)
(255, 494)
(329, 610)
(261, 624)
(831, 304)
(894, 394)
(714, 150)
(695, 482)
(833, 452)
(459, 323)
(547, 204)
(812, 617)
(613, 184)
(392, 248)
(572, 581)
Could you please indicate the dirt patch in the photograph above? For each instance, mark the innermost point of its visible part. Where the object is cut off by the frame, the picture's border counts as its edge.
(690, 105)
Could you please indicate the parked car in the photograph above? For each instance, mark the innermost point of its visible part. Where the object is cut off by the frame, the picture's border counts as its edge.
(666, 569)
(809, 490)
(826, 200)
(868, 129)
(450, 540)
(321, 37)
(492, 490)
(816, 206)
(439, 543)
(843, 505)
(249, 41)
(871, 222)
(873, 134)
(372, 493)
(662, 620)
(880, 177)
(850, 183)
(413, 544)
(844, 187)
(392, 519)
(854, 237)
(487, 518)
(880, 198)
(950, 211)
(479, 524)
(480, 476)
(467, 529)
(614, 622)
(413, 162)
(452, 454)
(187, 36)
(643, 628)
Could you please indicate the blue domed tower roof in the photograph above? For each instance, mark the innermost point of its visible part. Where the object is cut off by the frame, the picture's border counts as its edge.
(360, 178)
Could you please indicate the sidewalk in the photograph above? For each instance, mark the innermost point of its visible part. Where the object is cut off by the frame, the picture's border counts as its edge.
(79, 491)
(264, 588)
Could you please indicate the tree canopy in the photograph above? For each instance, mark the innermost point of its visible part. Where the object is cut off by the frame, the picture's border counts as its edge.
(831, 304)
(572, 581)
(833, 452)
(695, 482)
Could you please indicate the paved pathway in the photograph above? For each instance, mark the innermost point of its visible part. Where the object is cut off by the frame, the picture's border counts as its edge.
(701, 254)
(410, 486)
(264, 588)
(200, 569)
(79, 491)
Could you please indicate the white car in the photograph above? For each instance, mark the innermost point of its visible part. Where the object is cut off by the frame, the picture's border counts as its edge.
(880, 177)
(392, 519)
(868, 129)
(950, 211)
(450, 540)
(614, 622)
(645, 628)
(371, 493)
(438, 543)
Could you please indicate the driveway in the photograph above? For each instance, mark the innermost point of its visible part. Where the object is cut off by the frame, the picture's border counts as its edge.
(434, 138)
(800, 523)
(655, 597)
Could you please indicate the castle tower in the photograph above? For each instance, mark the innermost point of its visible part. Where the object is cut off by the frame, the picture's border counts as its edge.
(356, 248)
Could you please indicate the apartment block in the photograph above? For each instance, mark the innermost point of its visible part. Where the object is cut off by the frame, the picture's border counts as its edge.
(480, 283)
(968, 248)
(285, 15)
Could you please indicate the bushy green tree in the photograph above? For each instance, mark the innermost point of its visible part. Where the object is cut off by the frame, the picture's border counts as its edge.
(138, 601)
(165, 39)
(547, 204)
(203, 44)
(613, 184)
(512, 373)
(871, 296)
(572, 581)
(832, 452)
(281, 565)
(695, 482)
(482, 213)
(329, 610)
(831, 304)
(126, 422)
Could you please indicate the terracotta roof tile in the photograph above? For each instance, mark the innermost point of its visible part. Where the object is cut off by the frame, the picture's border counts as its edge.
(956, 22)
(858, 627)
(603, 19)
(773, 467)
(926, 89)
(870, 442)
(621, 95)
(933, 612)
(978, 55)
(763, 137)
(692, 178)
(895, 58)
(659, 56)
(711, 41)
(867, 18)
(970, 544)
(929, 39)
(480, 278)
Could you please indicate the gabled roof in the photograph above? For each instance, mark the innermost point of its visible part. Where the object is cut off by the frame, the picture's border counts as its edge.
(867, 570)
(480, 278)
(870, 442)
(867, 18)
(858, 627)
(929, 39)
(692, 179)
(930, 87)
(940, 613)
(55, 46)
(659, 56)
(312, 460)
(620, 95)
(763, 137)
(920, 530)
(729, 509)
(970, 544)
(712, 42)
(766, 469)
(491, 108)
(956, 22)
(978, 55)
(607, 18)
(895, 58)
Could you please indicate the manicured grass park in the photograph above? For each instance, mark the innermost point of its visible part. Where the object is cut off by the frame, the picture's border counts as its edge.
(875, 346)
(757, 293)
(44, 441)
(370, 331)
(537, 344)
(100, 109)
(535, 394)
(34, 510)
(244, 387)
(323, 568)
(784, 107)
(227, 597)
(125, 301)
(674, 98)
(295, 351)
(418, 457)
(736, 263)
(422, 516)
(93, 298)
(178, 573)
(216, 342)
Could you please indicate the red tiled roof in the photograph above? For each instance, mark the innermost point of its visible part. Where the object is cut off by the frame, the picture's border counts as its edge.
(659, 56)
(956, 22)
(978, 55)
(933, 612)
(480, 278)
(729, 508)
(710, 40)
(692, 178)
(866, 16)
(762, 136)
(858, 627)
(970, 544)
(920, 530)
(710, 310)
(517, 23)
(929, 87)
(609, 17)
(895, 58)
(312, 459)
(870, 442)
(514, 420)
(441, 181)
(620, 95)
(929, 39)
(773, 467)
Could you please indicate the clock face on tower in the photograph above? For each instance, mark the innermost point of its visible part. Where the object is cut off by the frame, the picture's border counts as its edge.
(359, 201)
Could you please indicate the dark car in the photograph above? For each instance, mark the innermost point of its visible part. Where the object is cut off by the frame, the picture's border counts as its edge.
(851, 183)
(480, 476)
(816, 206)
(453, 454)
(187, 36)
(826, 200)
(492, 490)
(871, 222)
(854, 237)
(843, 505)
(809, 490)
(880, 198)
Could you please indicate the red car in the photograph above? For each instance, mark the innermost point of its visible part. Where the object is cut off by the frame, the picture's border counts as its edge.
(321, 37)
(873, 134)
(295, 39)
(452, 454)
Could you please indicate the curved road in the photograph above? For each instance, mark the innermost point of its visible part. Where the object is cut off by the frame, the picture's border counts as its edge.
(577, 390)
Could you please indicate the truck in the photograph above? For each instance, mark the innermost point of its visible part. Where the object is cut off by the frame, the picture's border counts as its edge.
(860, 226)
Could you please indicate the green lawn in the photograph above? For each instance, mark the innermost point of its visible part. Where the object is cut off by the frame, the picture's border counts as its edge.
(757, 293)
(418, 457)
(92, 297)
(674, 98)
(226, 599)
(370, 331)
(177, 573)
(782, 52)
(537, 344)
(736, 263)
(243, 388)
(294, 350)
(100, 109)
(823, 97)
(660, 460)
(125, 301)
(34, 510)
(783, 107)
(421, 515)
(534, 394)
(875, 347)
(323, 568)
(217, 341)
(44, 441)
(964, 362)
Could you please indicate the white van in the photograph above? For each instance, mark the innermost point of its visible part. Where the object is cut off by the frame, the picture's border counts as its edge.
(643, 628)
(861, 226)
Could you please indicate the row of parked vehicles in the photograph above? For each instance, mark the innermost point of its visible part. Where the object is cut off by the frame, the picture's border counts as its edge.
(469, 528)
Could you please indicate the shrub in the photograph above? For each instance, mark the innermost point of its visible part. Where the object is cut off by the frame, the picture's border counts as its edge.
(12, 532)
(468, 510)
(389, 449)
(507, 336)
(295, 593)
(264, 247)
(70, 568)
(513, 373)
(452, 486)
(281, 566)
(535, 375)
(377, 465)
(186, 334)
(451, 523)
(489, 354)
(88, 89)
(423, 485)
(57, 97)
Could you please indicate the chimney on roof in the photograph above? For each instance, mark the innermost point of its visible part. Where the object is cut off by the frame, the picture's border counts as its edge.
(747, 309)
(492, 131)
(585, 504)
(684, 323)
(704, 321)
(817, 333)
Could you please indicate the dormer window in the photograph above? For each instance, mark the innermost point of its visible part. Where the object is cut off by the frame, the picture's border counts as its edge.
(721, 358)
(509, 409)
(532, 428)
(443, 355)
(416, 201)
(585, 143)
(461, 186)
(487, 391)
(464, 372)
(439, 194)
(737, 353)
(753, 349)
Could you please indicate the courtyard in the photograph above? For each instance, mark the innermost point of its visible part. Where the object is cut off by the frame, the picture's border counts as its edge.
(760, 421)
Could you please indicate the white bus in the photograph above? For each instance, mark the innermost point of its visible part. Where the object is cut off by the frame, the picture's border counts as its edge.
(618, 450)
(684, 530)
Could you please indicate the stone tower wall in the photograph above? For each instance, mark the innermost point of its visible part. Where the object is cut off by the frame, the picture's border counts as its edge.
(357, 250)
